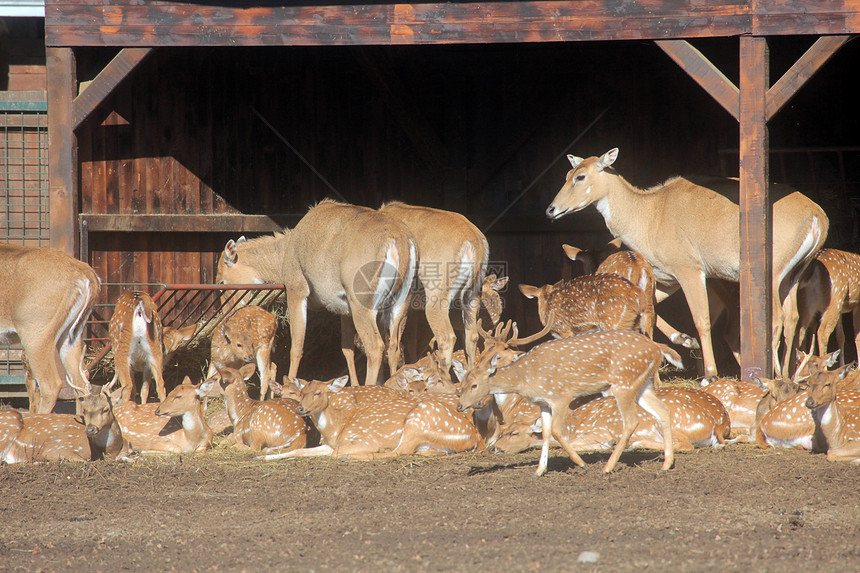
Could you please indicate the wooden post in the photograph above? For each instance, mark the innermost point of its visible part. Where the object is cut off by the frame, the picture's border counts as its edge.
(755, 218)
(62, 148)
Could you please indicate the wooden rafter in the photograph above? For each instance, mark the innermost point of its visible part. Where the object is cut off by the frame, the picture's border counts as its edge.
(106, 81)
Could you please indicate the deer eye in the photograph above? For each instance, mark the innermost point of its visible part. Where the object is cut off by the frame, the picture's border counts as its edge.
(580, 177)
(474, 386)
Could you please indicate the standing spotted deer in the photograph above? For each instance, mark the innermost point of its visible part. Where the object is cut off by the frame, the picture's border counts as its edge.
(592, 302)
(829, 287)
(620, 362)
(689, 232)
(453, 262)
(350, 260)
(246, 336)
(46, 297)
(140, 344)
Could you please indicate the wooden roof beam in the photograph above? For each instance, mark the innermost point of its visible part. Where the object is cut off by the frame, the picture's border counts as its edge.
(106, 82)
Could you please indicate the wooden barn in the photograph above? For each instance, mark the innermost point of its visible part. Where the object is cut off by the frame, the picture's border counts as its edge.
(173, 126)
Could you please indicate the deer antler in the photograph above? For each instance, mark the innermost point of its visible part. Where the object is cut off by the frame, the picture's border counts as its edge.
(550, 321)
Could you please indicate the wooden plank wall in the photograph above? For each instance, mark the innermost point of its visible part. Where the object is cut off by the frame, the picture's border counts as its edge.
(273, 130)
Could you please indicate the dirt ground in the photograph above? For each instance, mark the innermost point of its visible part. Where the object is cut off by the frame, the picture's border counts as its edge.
(739, 509)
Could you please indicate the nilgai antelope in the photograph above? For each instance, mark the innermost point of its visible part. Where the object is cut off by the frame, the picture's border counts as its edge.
(45, 299)
(453, 262)
(271, 425)
(140, 344)
(175, 425)
(620, 362)
(382, 428)
(698, 420)
(829, 287)
(592, 302)
(633, 267)
(350, 260)
(246, 337)
(689, 231)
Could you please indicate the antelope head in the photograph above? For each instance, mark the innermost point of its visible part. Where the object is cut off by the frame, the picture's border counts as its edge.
(232, 268)
(581, 187)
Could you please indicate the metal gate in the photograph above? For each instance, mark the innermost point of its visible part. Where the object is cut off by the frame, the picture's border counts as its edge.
(24, 207)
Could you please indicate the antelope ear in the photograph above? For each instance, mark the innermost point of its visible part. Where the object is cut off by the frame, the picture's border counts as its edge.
(537, 426)
(247, 370)
(574, 160)
(529, 291)
(231, 253)
(607, 159)
(338, 384)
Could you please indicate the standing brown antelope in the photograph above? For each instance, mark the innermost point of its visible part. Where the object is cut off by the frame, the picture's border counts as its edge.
(592, 302)
(46, 297)
(829, 287)
(140, 344)
(453, 262)
(689, 232)
(552, 374)
(350, 260)
(271, 425)
(246, 336)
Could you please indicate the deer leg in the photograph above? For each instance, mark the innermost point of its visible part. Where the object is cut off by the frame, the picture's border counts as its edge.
(790, 321)
(625, 398)
(840, 340)
(156, 366)
(546, 420)
(47, 371)
(347, 346)
(557, 430)
(395, 335)
(693, 284)
(146, 376)
(829, 321)
(652, 404)
(437, 311)
(264, 367)
(471, 307)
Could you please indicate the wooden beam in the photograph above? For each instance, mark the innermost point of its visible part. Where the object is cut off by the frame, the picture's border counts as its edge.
(803, 69)
(220, 223)
(755, 221)
(704, 72)
(106, 81)
(63, 167)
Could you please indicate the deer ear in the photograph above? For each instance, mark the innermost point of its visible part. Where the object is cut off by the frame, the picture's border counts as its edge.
(230, 253)
(297, 382)
(500, 283)
(459, 369)
(537, 426)
(831, 358)
(247, 370)
(493, 361)
(574, 160)
(241, 240)
(186, 380)
(615, 243)
(401, 382)
(338, 384)
(412, 374)
(571, 251)
(433, 379)
(607, 159)
(529, 291)
(206, 387)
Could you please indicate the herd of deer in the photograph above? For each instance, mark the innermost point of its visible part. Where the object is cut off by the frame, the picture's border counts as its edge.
(595, 386)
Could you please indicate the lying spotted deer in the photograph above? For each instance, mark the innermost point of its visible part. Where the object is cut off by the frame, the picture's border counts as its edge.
(836, 413)
(387, 427)
(453, 262)
(350, 260)
(591, 302)
(665, 224)
(740, 398)
(620, 362)
(175, 425)
(11, 422)
(271, 426)
(140, 344)
(828, 288)
(49, 437)
(698, 420)
(247, 336)
(46, 297)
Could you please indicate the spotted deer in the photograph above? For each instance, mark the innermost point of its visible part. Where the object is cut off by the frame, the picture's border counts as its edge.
(453, 263)
(271, 426)
(175, 425)
(11, 422)
(49, 437)
(698, 420)
(836, 413)
(740, 398)
(247, 336)
(633, 267)
(666, 224)
(350, 260)
(100, 425)
(46, 298)
(387, 427)
(620, 362)
(141, 345)
(828, 288)
(591, 302)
